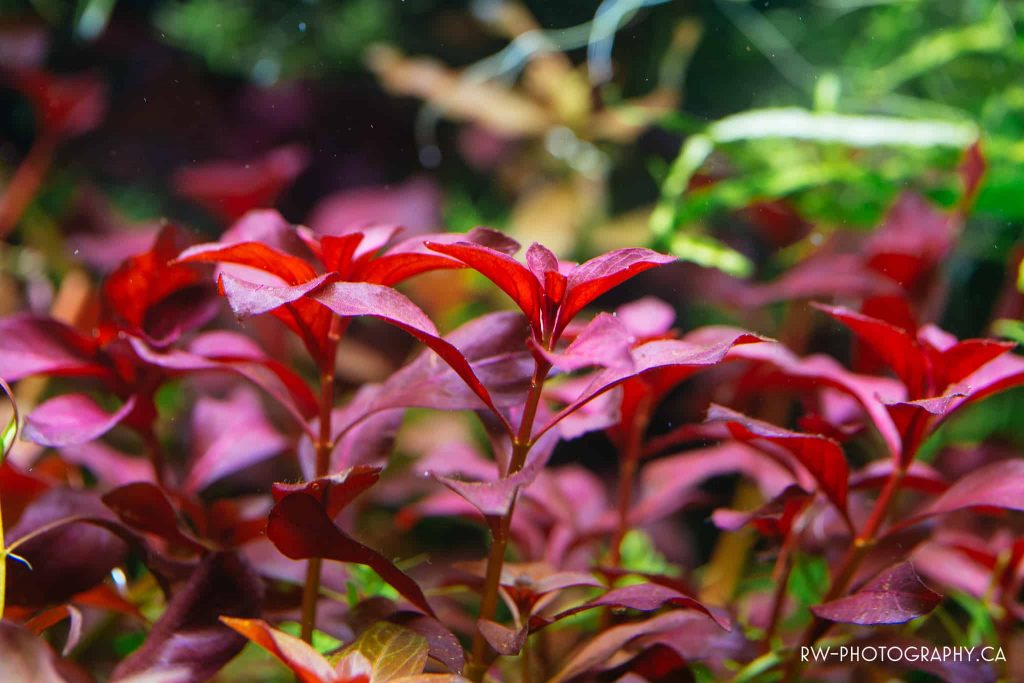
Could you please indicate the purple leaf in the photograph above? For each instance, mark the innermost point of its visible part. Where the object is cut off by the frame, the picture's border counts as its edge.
(821, 371)
(495, 498)
(645, 597)
(895, 596)
(72, 419)
(229, 436)
(504, 640)
(66, 559)
(493, 344)
(601, 648)
(189, 633)
(668, 483)
(604, 342)
(365, 433)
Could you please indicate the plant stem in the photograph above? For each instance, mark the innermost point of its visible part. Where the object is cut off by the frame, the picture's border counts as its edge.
(847, 568)
(324, 446)
(627, 476)
(25, 182)
(785, 568)
(3, 565)
(501, 528)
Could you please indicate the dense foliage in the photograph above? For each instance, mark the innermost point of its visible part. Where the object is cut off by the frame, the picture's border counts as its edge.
(758, 397)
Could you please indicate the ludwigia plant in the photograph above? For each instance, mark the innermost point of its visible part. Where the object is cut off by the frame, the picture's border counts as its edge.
(201, 480)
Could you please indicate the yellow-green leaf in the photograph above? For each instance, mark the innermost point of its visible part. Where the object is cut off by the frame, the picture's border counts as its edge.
(393, 651)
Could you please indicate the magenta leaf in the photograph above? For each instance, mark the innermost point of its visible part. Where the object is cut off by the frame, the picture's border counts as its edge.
(300, 528)
(357, 298)
(229, 436)
(72, 419)
(680, 357)
(999, 485)
(646, 317)
(604, 342)
(189, 634)
(895, 596)
(34, 345)
(818, 371)
(234, 353)
(774, 518)
(414, 204)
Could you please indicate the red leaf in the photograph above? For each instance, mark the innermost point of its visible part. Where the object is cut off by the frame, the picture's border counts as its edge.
(895, 346)
(300, 528)
(135, 289)
(895, 596)
(72, 419)
(509, 275)
(65, 105)
(593, 278)
(144, 506)
(822, 457)
(307, 664)
(334, 492)
(229, 189)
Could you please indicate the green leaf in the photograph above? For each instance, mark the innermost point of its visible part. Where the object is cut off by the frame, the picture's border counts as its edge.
(322, 642)
(1010, 329)
(710, 253)
(391, 650)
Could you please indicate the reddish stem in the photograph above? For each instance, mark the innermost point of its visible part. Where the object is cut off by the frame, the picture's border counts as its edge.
(500, 528)
(25, 182)
(847, 568)
(324, 446)
(627, 476)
